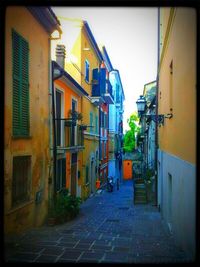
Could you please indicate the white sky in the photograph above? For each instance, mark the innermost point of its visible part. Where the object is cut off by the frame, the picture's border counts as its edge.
(130, 37)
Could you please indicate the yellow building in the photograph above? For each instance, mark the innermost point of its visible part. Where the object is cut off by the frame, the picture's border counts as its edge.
(177, 137)
(26, 115)
(83, 58)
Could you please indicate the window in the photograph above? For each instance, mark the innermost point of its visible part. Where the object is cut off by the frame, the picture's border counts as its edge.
(91, 122)
(61, 174)
(105, 120)
(104, 149)
(101, 150)
(169, 201)
(59, 113)
(21, 180)
(117, 94)
(20, 79)
(73, 136)
(102, 117)
(86, 174)
(87, 71)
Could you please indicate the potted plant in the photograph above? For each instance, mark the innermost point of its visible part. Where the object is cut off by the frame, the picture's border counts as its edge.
(75, 115)
(64, 208)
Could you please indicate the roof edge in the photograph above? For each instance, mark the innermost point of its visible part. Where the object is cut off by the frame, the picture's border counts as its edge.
(92, 40)
(71, 79)
(46, 17)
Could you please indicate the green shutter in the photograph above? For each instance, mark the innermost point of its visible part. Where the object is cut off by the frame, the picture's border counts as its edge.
(16, 83)
(20, 85)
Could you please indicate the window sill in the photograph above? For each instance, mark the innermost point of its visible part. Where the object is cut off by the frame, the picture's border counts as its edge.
(19, 207)
(21, 137)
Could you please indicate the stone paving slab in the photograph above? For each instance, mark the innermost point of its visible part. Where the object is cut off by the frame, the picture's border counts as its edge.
(109, 229)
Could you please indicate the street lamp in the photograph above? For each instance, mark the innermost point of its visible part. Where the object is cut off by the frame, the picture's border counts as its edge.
(141, 105)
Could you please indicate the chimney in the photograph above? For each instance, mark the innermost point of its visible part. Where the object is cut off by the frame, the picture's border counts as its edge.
(60, 55)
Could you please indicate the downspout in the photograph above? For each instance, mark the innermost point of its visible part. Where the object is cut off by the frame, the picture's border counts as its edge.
(156, 126)
(54, 126)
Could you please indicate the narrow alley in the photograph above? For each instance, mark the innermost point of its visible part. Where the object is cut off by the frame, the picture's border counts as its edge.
(109, 228)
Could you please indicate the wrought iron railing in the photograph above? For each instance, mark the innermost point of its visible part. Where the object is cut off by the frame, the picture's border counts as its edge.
(74, 136)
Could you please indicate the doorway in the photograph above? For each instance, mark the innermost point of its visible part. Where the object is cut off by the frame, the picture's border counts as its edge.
(73, 174)
(170, 201)
(92, 176)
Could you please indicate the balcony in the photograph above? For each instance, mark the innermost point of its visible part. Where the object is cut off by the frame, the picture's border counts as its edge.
(96, 97)
(108, 96)
(73, 137)
(101, 88)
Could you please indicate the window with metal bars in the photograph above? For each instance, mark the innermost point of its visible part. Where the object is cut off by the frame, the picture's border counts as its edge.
(21, 181)
(20, 80)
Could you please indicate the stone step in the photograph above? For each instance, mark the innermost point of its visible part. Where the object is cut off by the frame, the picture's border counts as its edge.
(139, 186)
(141, 200)
(140, 194)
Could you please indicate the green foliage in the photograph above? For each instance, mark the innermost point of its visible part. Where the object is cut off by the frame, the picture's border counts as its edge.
(65, 206)
(129, 137)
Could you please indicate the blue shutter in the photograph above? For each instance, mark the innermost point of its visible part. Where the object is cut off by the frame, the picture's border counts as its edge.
(102, 81)
(95, 84)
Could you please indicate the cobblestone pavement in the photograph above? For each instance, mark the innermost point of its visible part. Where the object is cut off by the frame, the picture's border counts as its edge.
(109, 228)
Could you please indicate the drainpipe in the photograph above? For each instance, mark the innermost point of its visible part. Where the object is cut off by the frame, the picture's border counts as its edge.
(54, 132)
(54, 127)
(156, 126)
(60, 58)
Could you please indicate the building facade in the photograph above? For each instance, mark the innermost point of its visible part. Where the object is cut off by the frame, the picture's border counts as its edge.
(177, 136)
(116, 127)
(149, 125)
(106, 67)
(69, 129)
(83, 64)
(27, 161)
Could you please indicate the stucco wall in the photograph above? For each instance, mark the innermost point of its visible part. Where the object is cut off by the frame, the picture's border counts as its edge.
(183, 202)
(38, 144)
(178, 135)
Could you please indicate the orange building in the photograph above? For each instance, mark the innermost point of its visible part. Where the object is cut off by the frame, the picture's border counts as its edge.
(69, 130)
